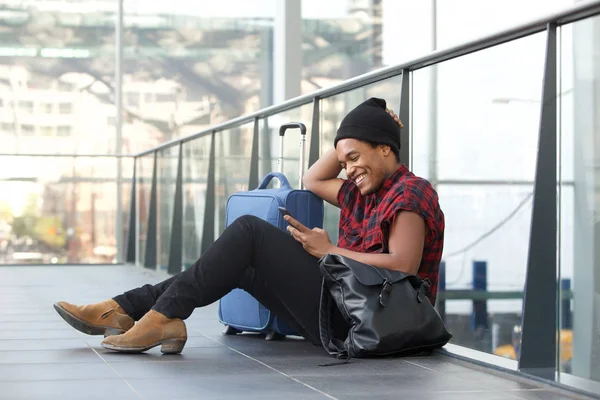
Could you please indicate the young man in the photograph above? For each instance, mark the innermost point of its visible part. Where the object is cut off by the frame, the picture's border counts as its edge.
(389, 218)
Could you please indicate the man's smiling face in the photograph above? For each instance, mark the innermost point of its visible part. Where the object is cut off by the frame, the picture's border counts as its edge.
(366, 165)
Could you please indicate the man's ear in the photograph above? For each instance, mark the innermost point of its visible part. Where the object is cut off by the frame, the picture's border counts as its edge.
(385, 149)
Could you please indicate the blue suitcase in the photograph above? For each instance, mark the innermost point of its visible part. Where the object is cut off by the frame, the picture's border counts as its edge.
(238, 310)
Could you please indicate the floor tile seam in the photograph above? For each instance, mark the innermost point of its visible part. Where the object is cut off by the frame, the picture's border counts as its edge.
(489, 391)
(329, 396)
(32, 339)
(479, 384)
(52, 349)
(116, 378)
(117, 373)
(37, 329)
(46, 363)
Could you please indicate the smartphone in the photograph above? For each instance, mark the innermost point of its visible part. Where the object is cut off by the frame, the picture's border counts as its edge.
(284, 211)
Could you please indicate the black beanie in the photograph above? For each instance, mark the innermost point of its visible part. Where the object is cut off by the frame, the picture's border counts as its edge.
(370, 122)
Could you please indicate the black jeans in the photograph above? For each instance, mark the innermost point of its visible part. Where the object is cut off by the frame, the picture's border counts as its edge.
(253, 255)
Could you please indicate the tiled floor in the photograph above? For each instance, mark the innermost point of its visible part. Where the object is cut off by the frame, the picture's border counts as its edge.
(41, 357)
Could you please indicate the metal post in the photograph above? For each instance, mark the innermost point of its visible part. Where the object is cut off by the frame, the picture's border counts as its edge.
(131, 225)
(479, 316)
(208, 230)
(287, 46)
(566, 321)
(253, 178)
(404, 115)
(441, 303)
(315, 134)
(119, 125)
(265, 147)
(433, 103)
(150, 256)
(175, 245)
(538, 346)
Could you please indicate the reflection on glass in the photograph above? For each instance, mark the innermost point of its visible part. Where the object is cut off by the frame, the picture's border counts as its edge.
(58, 210)
(579, 268)
(55, 87)
(187, 68)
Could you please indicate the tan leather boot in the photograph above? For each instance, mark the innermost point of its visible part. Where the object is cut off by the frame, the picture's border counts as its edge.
(150, 331)
(106, 318)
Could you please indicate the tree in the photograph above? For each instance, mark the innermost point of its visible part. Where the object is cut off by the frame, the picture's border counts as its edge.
(24, 224)
(50, 231)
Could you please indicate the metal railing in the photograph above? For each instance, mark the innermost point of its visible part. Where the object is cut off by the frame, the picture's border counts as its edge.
(539, 344)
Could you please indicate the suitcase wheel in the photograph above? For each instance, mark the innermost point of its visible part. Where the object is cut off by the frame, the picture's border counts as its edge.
(231, 331)
(272, 335)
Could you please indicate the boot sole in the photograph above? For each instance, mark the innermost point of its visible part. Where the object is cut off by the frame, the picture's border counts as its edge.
(171, 346)
(83, 326)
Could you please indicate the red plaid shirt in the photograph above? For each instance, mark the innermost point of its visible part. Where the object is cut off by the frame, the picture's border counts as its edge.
(365, 221)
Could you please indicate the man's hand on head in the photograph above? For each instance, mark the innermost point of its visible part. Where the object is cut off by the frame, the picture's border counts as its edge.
(393, 115)
(315, 241)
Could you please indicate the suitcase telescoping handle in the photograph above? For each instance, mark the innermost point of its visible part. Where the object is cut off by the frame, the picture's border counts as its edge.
(282, 129)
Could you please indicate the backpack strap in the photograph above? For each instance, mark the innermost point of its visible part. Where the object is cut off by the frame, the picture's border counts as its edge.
(333, 346)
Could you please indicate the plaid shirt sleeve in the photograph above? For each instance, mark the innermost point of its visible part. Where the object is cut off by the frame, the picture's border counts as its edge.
(414, 195)
(418, 196)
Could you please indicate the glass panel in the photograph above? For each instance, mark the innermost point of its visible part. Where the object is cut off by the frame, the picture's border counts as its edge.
(579, 273)
(55, 87)
(485, 248)
(165, 196)
(485, 130)
(189, 66)
(488, 108)
(333, 110)
(144, 168)
(195, 174)
(57, 210)
(233, 148)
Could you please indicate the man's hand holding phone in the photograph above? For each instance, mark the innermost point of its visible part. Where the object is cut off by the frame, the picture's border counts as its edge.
(315, 241)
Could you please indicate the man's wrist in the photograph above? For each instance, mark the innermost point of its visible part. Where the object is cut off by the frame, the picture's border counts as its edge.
(333, 249)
